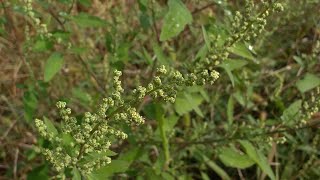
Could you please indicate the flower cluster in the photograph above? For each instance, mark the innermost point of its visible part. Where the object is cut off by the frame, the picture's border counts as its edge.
(310, 107)
(40, 27)
(245, 27)
(91, 134)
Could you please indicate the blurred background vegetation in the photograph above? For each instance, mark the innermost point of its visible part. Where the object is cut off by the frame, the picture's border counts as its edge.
(212, 132)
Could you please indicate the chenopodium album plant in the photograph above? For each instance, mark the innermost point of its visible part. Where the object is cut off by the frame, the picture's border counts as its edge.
(82, 145)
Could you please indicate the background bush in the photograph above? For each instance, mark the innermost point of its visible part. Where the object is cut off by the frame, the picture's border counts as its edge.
(259, 120)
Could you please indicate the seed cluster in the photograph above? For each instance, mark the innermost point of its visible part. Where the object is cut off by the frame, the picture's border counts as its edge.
(40, 27)
(310, 107)
(246, 26)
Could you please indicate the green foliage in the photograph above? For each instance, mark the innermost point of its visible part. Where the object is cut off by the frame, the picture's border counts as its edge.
(159, 89)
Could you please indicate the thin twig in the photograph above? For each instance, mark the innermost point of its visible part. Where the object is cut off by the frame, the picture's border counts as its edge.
(57, 19)
(15, 163)
(99, 86)
(5, 134)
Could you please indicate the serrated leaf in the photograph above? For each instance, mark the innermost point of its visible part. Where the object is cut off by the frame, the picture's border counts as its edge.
(308, 82)
(258, 158)
(87, 20)
(50, 127)
(175, 20)
(53, 66)
(232, 158)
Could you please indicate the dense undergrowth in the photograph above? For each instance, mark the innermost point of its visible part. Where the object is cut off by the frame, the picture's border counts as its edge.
(146, 89)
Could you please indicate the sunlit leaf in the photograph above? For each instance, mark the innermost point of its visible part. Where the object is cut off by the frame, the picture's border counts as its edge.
(175, 20)
(53, 66)
(308, 82)
(232, 158)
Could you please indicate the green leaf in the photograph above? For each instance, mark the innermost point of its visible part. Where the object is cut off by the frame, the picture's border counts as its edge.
(232, 158)
(67, 139)
(230, 109)
(308, 82)
(39, 173)
(116, 166)
(204, 176)
(165, 143)
(257, 157)
(195, 100)
(202, 53)
(187, 102)
(53, 66)
(205, 37)
(290, 114)
(147, 56)
(130, 155)
(159, 54)
(230, 64)
(96, 156)
(87, 20)
(81, 95)
(144, 20)
(298, 60)
(241, 50)
(42, 45)
(50, 127)
(175, 20)
(86, 3)
(216, 168)
(76, 174)
(30, 103)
